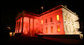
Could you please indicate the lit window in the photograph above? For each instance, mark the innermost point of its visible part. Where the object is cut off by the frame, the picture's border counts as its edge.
(57, 17)
(42, 21)
(46, 30)
(51, 20)
(51, 29)
(58, 28)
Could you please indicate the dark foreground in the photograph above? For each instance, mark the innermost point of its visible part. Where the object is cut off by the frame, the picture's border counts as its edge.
(37, 40)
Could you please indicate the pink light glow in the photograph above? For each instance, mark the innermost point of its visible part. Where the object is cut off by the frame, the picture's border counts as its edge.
(32, 25)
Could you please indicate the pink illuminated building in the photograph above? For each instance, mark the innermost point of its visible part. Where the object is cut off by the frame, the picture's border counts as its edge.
(50, 22)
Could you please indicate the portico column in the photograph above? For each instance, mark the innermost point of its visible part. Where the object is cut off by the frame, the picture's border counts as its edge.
(22, 21)
(29, 25)
(33, 26)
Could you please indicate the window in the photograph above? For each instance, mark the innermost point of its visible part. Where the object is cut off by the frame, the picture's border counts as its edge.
(42, 30)
(51, 19)
(46, 20)
(58, 28)
(65, 17)
(42, 21)
(57, 17)
(46, 30)
(51, 29)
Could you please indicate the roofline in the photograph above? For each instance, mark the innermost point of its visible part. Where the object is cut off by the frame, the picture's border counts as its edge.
(26, 12)
(69, 10)
(57, 7)
(38, 15)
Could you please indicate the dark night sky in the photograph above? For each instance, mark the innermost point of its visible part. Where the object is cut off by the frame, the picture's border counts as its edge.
(9, 10)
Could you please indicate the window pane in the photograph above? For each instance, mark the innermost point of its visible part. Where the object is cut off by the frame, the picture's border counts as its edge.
(46, 30)
(42, 21)
(58, 28)
(46, 20)
(57, 17)
(42, 30)
(51, 29)
(51, 19)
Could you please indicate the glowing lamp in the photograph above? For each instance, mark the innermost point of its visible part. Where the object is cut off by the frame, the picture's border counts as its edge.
(81, 36)
(10, 33)
(13, 33)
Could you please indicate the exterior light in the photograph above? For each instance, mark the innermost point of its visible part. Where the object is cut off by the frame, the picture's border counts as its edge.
(13, 33)
(81, 36)
(10, 33)
(42, 7)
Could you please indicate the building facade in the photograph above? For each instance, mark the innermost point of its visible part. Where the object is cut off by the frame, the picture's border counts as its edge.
(56, 21)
